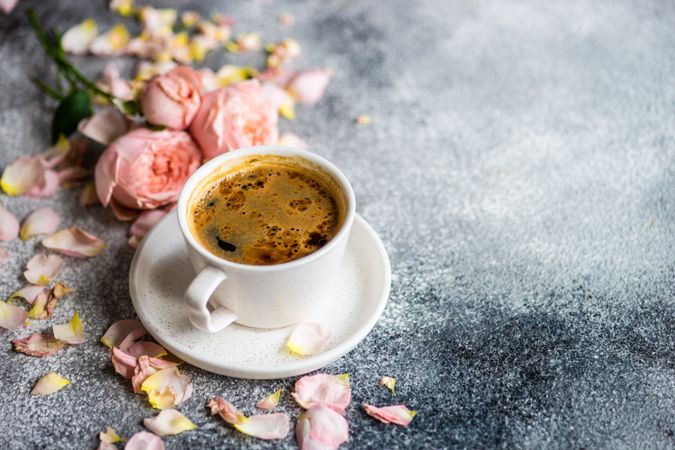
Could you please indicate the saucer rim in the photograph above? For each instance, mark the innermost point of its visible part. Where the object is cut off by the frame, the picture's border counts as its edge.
(299, 367)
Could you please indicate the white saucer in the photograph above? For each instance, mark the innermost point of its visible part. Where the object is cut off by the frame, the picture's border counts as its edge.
(160, 273)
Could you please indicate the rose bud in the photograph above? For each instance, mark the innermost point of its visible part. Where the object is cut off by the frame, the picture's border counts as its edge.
(234, 117)
(146, 169)
(172, 99)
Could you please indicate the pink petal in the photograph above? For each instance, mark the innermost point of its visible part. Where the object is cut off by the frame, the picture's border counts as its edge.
(123, 363)
(323, 389)
(145, 367)
(106, 174)
(308, 86)
(8, 5)
(110, 81)
(145, 222)
(168, 422)
(88, 195)
(397, 414)
(75, 242)
(269, 402)
(46, 301)
(105, 126)
(321, 427)
(146, 348)
(291, 140)
(47, 184)
(38, 345)
(9, 226)
(28, 293)
(77, 39)
(167, 388)
(109, 436)
(262, 426)
(50, 383)
(71, 332)
(308, 339)
(121, 212)
(42, 268)
(4, 254)
(127, 331)
(21, 175)
(12, 316)
(41, 221)
(144, 441)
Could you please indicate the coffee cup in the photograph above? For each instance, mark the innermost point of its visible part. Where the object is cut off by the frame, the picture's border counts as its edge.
(261, 296)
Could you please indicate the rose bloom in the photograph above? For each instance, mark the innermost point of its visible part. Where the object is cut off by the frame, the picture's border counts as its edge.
(146, 169)
(173, 99)
(234, 117)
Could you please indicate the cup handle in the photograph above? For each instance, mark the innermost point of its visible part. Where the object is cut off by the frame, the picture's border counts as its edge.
(197, 297)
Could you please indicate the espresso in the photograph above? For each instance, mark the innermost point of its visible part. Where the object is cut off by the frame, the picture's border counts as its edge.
(267, 210)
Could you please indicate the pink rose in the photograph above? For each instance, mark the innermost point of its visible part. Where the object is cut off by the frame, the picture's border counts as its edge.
(234, 117)
(173, 99)
(146, 169)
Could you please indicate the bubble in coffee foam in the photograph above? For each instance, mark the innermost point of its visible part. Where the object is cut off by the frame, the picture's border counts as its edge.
(266, 214)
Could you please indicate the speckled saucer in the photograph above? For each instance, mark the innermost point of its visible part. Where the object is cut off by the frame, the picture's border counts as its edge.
(160, 273)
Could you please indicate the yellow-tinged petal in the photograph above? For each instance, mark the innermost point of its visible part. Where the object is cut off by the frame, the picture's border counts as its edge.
(49, 383)
(389, 382)
(71, 332)
(122, 7)
(168, 422)
(269, 402)
(362, 119)
(308, 339)
(228, 74)
(109, 436)
(287, 110)
(167, 388)
(112, 42)
(77, 39)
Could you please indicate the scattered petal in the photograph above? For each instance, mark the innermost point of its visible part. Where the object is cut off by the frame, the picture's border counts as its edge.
(21, 175)
(389, 382)
(263, 426)
(75, 242)
(323, 389)
(9, 226)
(157, 22)
(189, 18)
(105, 126)
(229, 74)
(291, 140)
(308, 86)
(42, 268)
(123, 363)
(269, 402)
(109, 436)
(38, 345)
(88, 196)
(146, 366)
(282, 52)
(286, 19)
(245, 42)
(122, 7)
(47, 184)
(362, 119)
(71, 332)
(397, 414)
(49, 383)
(308, 339)
(28, 293)
(127, 330)
(167, 388)
(147, 348)
(41, 221)
(321, 427)
(144, 441)
(45, 302)
(280, 100)
(8, 5)
(77, 39)
(168, 422)
(12, 316)
(113, 42)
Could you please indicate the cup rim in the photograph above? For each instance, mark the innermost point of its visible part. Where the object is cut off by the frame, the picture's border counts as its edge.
(210, 166)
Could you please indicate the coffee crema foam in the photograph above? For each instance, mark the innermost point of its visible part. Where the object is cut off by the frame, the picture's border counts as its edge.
(267, 210)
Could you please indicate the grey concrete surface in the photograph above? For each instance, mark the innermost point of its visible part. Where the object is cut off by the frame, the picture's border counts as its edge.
(519, 169)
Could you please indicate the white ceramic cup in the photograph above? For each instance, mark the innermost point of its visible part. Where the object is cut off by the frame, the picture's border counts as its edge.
(262, 296)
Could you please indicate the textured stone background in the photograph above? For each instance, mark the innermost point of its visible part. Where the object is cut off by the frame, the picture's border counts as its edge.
(519, 169)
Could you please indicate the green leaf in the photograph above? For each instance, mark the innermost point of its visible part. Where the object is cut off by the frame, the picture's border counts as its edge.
(129, 107)
(69, 113)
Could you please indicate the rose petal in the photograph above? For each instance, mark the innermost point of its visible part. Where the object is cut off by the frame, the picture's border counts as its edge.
(88, 195)
(263, 426)
(38, 344)
(291, 140)
(9, 226)
(122, 213)
(321, 427)
(168, 422)
(280, 99)
(71, 332)
(245, 42)
(269, 402)
(111, 42)
(41, 221)
(119, 331)
(145, 222)
(47, 184)
(123, 363)
(105, 126)
(146, 348)
(75, 242)
(362, 119)
(49, 383)
(109, 436)
(144, 441)
(157, 22)
(110, 81)
(323, 389)
(4, 254)
(122, 7)
(308, 338)
(397, 414)
(78, 38)
(46, 301)
(146, 366)
(229, 74)
(8, 5)
(308, 86)
(12, 316)
(21, 175)
(389, 382)
(42, 268)
(28, 293)
(167, 388)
